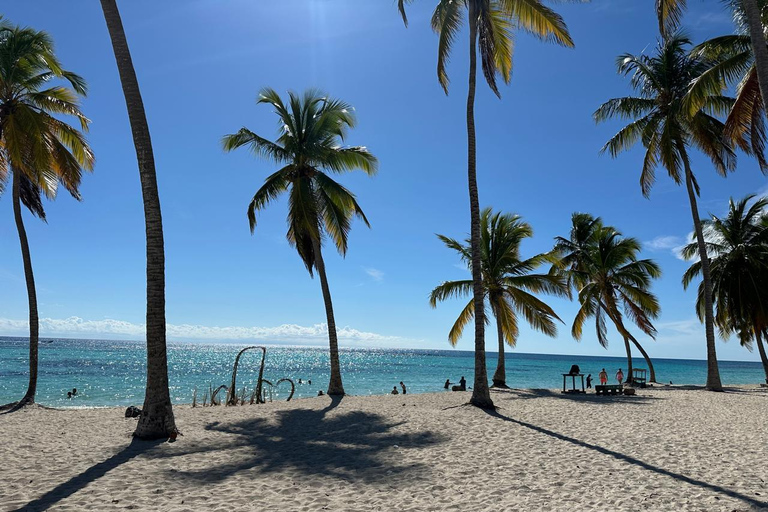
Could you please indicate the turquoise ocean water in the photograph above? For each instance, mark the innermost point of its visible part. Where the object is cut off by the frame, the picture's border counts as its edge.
(110, 373)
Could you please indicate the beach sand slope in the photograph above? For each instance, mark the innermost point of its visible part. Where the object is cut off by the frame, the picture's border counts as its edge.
(665, 449)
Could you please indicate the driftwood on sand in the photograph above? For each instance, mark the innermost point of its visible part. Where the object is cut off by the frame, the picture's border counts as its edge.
(232, 396)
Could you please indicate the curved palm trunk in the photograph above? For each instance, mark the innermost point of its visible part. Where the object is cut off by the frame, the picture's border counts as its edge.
(645, 356)
(628, 377)
(481, 396)
(759, 49)
(763, 356)
(335, 386)
(713, 372)
(29, 396)
(156, 419)
(500, 376)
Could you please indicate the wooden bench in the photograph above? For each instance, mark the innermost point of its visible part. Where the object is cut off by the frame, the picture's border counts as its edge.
(608, 390)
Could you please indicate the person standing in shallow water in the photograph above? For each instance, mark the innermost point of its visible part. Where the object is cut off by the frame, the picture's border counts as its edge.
(394, 390)
(463, 383)
(589, 381)
(403, 386)
(603, 377)
(620, 376)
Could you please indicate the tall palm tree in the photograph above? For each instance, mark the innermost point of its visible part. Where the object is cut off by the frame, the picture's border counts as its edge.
(313, 126)
(738, 249)
(37, 150)
(491, 24)
(156, 420)
(509, 283)
(666, 128)
(670, 13)
(603, 267)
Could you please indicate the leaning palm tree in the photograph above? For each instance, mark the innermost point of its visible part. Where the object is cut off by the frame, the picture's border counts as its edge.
(312, 128)
(38, 151)
(508, 281)
(491, 24)
(738, 249)
(753, 13)
(610, 279)
(156, 420)
(667, 130)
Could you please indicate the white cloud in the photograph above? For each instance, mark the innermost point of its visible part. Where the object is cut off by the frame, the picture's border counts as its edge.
(661, 243)
(375, 274)
(673, 244)
(286, 333)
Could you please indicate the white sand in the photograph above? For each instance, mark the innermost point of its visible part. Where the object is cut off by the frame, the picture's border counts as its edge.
(666, 450)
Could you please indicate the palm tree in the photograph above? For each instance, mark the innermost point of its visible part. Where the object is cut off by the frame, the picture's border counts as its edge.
(603, 267)
(509, 283)
(38, 150)
(491, 23)
(312, 129)
(156, 420)
(661, 121)
(738, 249)
(733, 61)
(753, 13)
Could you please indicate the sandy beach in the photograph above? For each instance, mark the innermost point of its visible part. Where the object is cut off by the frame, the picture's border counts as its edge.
(664, 449)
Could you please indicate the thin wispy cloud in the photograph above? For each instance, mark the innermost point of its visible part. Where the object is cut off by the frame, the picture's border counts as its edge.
(673, 244)
(375, 274)
(110, 328)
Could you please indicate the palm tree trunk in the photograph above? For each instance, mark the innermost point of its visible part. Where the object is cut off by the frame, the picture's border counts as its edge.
(713, 372)
(647, 359)
(628, 378)
(500, 376)
(156, 419)
(763, 356)
(481, 396)
(335, 386)
(29, 396)
(759, 49)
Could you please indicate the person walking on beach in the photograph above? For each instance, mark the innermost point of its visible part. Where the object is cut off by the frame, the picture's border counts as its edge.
(603, 377)
(619, 376)
(463, 383)
(589, 381)
(402, 386)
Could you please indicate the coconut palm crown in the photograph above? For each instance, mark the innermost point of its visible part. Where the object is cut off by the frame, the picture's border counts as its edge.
(312, 128)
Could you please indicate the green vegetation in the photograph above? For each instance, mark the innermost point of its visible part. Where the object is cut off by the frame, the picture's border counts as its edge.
(738, 249)
(313, 126)
(603, 268)
(509, 283)
(38, 151)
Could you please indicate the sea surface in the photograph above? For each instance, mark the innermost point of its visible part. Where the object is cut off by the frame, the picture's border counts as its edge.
(112, 373)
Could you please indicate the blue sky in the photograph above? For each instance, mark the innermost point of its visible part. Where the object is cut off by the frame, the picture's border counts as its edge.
(200, 64)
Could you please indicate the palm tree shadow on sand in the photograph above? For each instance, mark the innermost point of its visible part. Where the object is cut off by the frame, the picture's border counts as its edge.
(635, 462)
(76, 483)
(346, 445)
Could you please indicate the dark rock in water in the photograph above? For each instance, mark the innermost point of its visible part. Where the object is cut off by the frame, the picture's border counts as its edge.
(132, 412)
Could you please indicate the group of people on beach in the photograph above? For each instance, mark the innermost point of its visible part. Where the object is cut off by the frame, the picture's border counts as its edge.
(396, 392)
(462, 385)
(603, 376)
